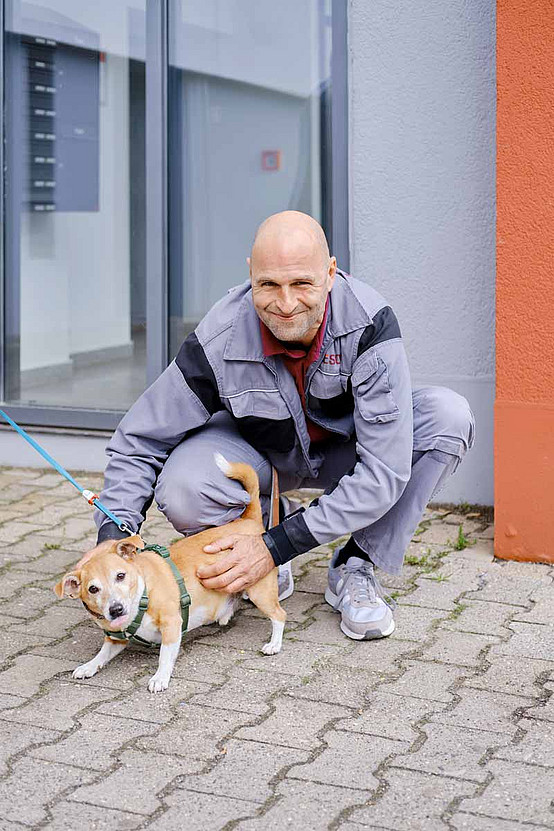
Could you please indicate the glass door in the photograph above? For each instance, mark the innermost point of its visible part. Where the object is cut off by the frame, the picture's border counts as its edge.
(75, 281)
(248, 136)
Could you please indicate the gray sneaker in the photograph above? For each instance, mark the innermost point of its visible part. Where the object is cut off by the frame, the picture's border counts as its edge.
(355, 591)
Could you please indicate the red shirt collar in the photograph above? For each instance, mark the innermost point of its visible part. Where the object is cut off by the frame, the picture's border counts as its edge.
(272, 346)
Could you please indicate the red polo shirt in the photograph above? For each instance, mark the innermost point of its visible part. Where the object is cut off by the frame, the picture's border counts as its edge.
(297, 362)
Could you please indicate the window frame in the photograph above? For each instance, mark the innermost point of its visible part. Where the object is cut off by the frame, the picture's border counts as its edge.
(157, 238)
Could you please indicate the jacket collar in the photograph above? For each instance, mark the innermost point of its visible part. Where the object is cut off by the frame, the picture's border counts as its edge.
(346, 314)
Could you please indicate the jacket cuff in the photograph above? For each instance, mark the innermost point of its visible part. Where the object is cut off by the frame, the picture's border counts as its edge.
(110, 531)
(289, 538)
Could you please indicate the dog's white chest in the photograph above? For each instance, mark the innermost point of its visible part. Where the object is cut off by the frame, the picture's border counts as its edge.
(148, 630)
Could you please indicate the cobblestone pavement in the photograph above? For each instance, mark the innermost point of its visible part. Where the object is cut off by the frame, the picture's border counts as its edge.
(446, 724)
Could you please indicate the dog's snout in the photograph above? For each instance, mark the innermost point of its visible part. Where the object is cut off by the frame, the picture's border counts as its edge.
(116, 610)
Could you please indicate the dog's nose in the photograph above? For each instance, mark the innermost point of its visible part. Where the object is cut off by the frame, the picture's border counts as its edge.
(116, 610)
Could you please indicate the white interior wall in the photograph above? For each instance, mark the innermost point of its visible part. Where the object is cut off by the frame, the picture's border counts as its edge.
(75, 266)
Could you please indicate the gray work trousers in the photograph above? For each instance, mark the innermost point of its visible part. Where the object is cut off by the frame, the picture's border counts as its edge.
(193, 494)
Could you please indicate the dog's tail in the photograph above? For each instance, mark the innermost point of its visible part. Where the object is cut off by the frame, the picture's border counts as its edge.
(246, 475)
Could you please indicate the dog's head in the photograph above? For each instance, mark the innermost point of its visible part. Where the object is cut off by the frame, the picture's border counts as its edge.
(107, 580)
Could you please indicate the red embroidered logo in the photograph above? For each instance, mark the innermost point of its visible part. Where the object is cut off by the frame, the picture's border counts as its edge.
(331, 359)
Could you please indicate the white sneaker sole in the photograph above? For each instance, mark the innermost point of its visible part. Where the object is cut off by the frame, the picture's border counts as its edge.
(333, 601)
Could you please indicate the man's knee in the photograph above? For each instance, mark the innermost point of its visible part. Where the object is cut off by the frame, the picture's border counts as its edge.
(444, 414)
(199, 497)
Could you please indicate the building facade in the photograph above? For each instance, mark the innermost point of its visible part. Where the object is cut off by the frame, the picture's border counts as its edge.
(146, 139)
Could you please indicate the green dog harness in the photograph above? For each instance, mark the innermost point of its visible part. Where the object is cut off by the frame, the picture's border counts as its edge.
(129, 634)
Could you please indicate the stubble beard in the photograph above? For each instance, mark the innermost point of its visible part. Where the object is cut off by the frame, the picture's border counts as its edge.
(298, 327)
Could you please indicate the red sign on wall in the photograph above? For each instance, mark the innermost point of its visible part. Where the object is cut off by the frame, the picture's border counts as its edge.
(271, 159)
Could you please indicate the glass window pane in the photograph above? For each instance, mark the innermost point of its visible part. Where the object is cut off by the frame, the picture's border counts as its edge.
(248, 119)
(75, 206)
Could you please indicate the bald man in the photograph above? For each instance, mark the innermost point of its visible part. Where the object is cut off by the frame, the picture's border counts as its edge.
(301, 368)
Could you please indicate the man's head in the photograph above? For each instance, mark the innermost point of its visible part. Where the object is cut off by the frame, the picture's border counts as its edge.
(292, 274)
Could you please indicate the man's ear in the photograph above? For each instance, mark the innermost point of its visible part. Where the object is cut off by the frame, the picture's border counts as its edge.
(127, 548)
(69, 585)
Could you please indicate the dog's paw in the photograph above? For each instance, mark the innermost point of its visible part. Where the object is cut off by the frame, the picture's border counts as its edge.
(271, 648)
(86, 670)
(158, 683)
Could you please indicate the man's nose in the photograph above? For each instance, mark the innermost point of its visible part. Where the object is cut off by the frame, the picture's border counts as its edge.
(286, 301)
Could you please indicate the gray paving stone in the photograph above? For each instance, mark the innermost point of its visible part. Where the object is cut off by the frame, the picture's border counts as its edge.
(482, 618)
(337, 685)
(472, 822)
(529, 641)
(54, 622)
(31, 784)
(416, 623)
(516, 792)
(313, 581)
(511, 675)
(160, 709)
(118, 790)
(7, 701)
(484, 710)
(426, 680)
(298, 607)
(535, 748)
(14, 530)
(435, 595)
(543, 608)
(391, 716)
(17, 737)
(208, 663)
(200, 811)
(297, 658)
(451, 751)
(305, 805)
(195, 735)
(412, 801)
(245, 770)
(67, 816)
(349, 760)
(31, 600)
(504, 586)
(29, 672)
(324, 629)
(294, 723)
(246, 690)
(58, 706)
(70, 530)
(479, 554)
(439, 533)
(53, 563)
(461, 648)
(95, 742)
(543, 712)
(382, 656)
(244, 632)
(12, 581)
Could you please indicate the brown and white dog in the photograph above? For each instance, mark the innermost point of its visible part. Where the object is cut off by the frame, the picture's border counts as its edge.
(111, 578)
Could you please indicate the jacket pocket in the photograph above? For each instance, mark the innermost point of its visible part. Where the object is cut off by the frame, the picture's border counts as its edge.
(372, 391)
(263, 420)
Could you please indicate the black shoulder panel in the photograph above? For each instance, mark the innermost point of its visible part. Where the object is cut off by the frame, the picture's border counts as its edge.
(198, 373)
(384, 327)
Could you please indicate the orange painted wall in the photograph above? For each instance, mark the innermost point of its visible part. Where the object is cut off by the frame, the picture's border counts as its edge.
(524, 409)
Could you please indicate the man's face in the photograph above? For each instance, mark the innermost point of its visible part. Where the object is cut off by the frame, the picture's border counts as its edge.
(290, 296)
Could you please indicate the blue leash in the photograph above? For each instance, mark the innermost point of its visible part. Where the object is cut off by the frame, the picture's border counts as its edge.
(90, 496)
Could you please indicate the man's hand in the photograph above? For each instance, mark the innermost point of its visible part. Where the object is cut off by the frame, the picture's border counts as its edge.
(247, 562)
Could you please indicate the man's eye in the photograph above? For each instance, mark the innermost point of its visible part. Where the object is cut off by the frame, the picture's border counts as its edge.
(93, 589)
(120, 576)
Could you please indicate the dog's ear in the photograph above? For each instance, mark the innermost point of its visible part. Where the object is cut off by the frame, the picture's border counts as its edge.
(127, 548)
(69, 585)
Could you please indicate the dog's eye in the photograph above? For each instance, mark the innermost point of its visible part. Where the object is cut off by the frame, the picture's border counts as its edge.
(120, 576)
(93, 589)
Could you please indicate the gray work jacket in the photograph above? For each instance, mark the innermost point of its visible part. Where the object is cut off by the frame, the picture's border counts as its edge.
(359, 386)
